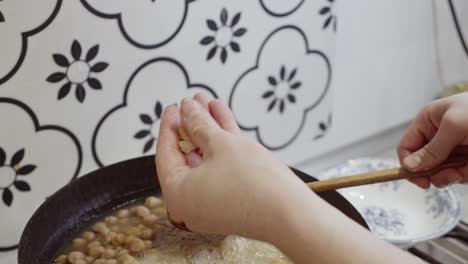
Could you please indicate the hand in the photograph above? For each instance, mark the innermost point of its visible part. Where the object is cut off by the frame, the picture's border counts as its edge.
(438, 131)
(238, 187)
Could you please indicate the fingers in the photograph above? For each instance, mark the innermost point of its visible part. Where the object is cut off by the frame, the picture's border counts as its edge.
(193, 159)
(224, 116)
(420, 131)
(439, 147)
(446, 177)
(460, 150)
(450, 176)
(443, 178)
(203, 99)
(422, 182)
(198, 123)
(169, 159)
(220, 112)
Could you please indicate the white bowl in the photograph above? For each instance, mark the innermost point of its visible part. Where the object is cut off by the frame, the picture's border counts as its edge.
(462, 192)
(398, 212)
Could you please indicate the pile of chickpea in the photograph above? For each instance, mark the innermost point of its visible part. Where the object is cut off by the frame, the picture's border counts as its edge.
(121, 237)
(125, 235)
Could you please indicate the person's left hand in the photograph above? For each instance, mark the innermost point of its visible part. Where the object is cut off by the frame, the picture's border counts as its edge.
(236, 181)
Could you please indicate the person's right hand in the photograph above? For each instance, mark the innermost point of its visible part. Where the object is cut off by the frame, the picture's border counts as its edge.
(439, 130)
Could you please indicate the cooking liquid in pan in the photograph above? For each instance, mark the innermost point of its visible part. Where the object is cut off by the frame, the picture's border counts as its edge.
(142, 234)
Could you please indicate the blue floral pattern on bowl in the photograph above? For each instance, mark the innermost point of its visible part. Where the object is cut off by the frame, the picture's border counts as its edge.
(438, 202)
(398, 211)
(382, 220)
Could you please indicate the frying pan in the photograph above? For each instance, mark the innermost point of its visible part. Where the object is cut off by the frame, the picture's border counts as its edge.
(78, 204)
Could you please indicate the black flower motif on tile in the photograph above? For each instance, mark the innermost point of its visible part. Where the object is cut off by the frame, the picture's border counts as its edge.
(150, 122)
(284, 86)
(35, 161)
(458, 26)
(324, 127)
(79, 71)
(225, 34)
(2, 17)
(145, 24)
(282, 91)
(330, 17)
(134, 123)
(281, 8)
(26, 25)
(12, 175)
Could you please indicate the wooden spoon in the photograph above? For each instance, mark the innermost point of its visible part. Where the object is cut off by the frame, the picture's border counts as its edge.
(383, 176)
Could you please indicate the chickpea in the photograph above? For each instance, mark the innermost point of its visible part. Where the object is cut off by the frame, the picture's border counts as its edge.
(123, 213)
(110, 220)
(134, 220)
(141, 211)
(115, 228)
(133, 231)
(183, 134)
(108, 237)
(101, 228)
(135, 244)
(118, 239)
(88, 235)
(61, 259)
(94, 244)
(147, 234)
(79, 243)
(124, 221)
(123, 252)
(89, 259)
(74, 256)
(111, 261)
(109, 253)
(152, 202)
(96, 251)
(148, 244)
(149, 219)
(80, 261)
(133, 210)
(127, 259)
(186, 146)
(159, 212)
(99, 261)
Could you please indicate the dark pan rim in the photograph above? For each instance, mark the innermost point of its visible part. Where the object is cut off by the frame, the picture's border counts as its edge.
(61, 216)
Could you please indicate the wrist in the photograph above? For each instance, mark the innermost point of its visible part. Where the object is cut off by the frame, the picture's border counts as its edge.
(276, 223)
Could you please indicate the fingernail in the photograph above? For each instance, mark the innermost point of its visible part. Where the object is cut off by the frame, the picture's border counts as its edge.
(170, 111)
(412, 161)
(187, 100)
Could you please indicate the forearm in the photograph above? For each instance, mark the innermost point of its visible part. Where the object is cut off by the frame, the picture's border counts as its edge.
(312, 230)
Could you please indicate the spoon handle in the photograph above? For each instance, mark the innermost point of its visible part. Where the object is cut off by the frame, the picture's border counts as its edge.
(383, 176)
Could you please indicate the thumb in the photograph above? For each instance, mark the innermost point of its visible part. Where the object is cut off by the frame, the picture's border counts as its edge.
(437, 150)
(198, 123)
